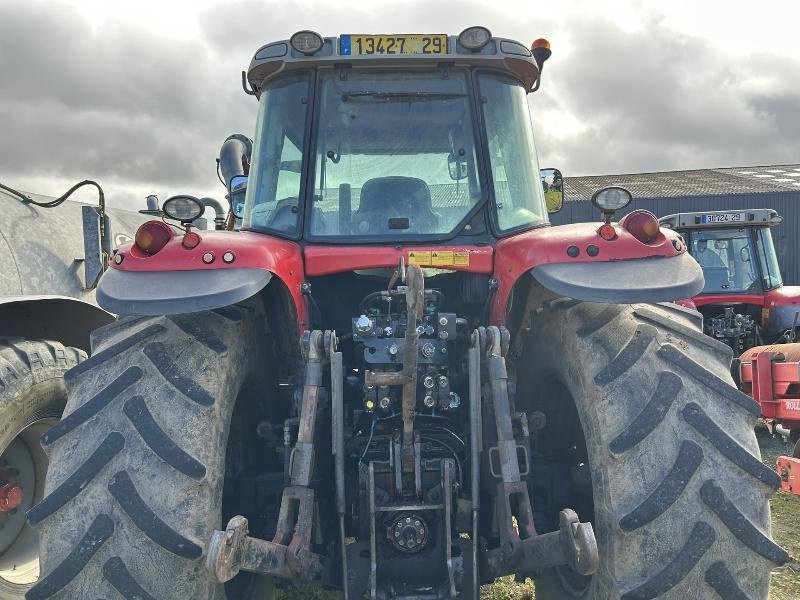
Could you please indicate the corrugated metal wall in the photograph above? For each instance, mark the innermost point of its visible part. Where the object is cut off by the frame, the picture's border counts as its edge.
(786, 203)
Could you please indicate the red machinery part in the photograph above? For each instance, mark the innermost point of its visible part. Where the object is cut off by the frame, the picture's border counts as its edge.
(10, 496)
(771, 375)
(789, 471)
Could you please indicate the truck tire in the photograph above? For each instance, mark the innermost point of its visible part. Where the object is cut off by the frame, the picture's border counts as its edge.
(32, 397)
(137, 464)
(678, 489)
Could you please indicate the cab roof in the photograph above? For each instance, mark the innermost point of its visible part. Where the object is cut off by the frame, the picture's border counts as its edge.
(499, 53)
(759, 217)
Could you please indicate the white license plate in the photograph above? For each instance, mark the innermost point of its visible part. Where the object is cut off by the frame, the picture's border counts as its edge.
(737, 217)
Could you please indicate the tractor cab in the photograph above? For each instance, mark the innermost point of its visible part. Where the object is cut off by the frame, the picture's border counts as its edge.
(411, 138)
(744, 301)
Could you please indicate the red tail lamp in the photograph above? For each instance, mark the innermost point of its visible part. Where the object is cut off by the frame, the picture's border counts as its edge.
(191, 239)
(607, 232)
(152, 236)
(642, 224)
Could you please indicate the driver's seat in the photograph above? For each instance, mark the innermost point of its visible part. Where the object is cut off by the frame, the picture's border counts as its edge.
(385, 197)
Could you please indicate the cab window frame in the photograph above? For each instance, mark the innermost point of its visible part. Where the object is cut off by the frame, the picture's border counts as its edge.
(752, 235)
(494, 221)
(297, 233)
(311, 168)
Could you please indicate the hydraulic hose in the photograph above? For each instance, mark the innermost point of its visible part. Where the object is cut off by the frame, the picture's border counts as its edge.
(234, 157)
(101, 202)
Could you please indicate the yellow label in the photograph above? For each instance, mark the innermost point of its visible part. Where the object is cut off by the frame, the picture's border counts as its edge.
(423, 259)
(442, 258)
(439, 258)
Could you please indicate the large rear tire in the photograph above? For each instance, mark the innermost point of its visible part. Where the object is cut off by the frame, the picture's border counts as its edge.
(32, 397)
(137, 464)
(680, 496)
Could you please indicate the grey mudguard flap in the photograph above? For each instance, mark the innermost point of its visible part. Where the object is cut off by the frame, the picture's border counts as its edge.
(623, 281)
(173, 292)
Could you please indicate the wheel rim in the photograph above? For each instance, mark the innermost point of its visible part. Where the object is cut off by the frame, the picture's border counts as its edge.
(25, 465)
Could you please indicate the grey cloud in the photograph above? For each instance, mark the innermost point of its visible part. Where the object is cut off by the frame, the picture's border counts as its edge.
(657, 100)
(120, 104)
(142, 111)
(783, 109)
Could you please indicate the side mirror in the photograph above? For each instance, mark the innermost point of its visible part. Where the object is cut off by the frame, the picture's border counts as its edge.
(553, 185)
(457, 167)
(236, 193)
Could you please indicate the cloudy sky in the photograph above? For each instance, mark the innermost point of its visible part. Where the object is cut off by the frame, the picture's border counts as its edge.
(139, 94)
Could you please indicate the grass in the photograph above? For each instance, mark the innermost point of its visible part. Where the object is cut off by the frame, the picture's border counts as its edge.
(785, 584)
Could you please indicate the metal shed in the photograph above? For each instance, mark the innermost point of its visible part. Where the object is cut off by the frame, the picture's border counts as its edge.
(776, 186)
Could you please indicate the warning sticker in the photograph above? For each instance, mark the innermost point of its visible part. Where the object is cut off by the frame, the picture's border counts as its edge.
(439, 258)
(461, 259)
(423, 259)
(442, 258)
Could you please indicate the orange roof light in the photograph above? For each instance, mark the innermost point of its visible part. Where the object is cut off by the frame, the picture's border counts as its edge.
(540, 43)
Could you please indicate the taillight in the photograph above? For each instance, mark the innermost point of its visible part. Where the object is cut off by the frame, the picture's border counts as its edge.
(642, 224)
(152, 236)
(191, 239)
(607, 232)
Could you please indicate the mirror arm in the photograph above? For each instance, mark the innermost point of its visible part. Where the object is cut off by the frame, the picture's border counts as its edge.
(247, 90)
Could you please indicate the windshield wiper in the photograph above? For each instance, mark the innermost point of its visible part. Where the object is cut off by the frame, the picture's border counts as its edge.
(402, 96)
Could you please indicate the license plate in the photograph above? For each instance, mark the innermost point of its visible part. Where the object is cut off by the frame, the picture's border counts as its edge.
(359, 45)
(724, 218)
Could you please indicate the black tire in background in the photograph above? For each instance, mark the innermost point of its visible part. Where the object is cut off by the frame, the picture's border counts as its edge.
(137, 464)
(678, 492)
(32, 398)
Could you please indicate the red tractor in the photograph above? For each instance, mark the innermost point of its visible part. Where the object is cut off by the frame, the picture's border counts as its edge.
(393, 377)
(744, 302)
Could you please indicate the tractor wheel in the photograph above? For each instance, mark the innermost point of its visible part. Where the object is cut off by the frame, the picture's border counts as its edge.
(138, 462)
(677, 489)
(32, 397)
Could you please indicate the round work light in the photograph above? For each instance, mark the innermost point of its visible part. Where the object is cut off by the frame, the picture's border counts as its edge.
(474, 38)
(183, 208)
(306, 42)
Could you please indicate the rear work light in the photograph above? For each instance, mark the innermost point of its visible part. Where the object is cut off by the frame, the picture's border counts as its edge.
(152, 236)
(642, 224)
(474, 38)
(306, 42)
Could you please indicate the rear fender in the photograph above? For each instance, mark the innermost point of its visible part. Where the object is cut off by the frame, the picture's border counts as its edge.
(783, 306)
(179, 280)
(61, 318)
(574, 261)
